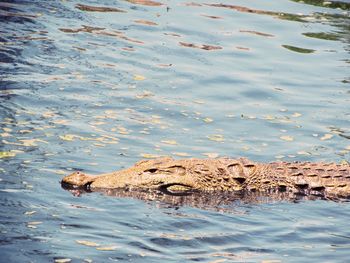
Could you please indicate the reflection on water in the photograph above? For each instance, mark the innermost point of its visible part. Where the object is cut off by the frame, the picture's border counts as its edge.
(97, 86)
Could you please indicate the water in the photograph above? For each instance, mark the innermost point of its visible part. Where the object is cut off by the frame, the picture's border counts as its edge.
(97, 91)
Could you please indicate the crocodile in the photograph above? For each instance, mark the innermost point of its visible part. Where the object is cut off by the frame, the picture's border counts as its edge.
(181, 176)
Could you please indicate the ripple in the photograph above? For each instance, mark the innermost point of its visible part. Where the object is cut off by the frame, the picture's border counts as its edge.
(95, 86)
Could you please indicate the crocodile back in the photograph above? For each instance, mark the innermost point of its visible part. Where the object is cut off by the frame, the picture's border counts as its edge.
(324, 179)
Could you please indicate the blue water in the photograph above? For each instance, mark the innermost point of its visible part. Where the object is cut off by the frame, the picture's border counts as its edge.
(98, 91)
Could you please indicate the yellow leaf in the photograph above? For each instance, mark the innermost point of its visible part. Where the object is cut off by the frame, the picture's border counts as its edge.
(145, 94)
(171, 142)
(61, 172)
(287, 138)
(269, 117)
(181, 154)
(149, 156)
(327, 136)
(87, 243)
(67, 137)
(122, 130)
(60, 121)
(296, 114)
(7, 154)
(63, 260)
(216, 137)
(108, 248)
(139, 77)
(208, 120)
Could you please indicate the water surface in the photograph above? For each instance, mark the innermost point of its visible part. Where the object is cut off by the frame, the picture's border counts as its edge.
(98, 85)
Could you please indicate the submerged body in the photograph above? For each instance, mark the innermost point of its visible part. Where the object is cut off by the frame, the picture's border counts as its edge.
(328, 180)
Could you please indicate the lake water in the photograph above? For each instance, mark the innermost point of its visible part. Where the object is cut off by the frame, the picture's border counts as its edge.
(94, 89)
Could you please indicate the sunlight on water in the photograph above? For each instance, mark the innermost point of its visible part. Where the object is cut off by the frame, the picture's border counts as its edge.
(97, 86)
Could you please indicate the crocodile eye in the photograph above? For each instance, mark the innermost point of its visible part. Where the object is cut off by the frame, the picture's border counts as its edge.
(78, 173)
(152, 170)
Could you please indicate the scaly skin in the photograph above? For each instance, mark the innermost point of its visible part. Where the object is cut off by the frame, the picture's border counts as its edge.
(328, 180)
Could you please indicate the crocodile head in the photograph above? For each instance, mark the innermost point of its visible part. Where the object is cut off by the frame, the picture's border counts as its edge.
(77, 180)
(165, 174)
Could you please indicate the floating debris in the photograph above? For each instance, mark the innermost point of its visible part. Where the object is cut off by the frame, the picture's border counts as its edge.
(90, 8)
(287, 138)
(87, 243)
(203, 46)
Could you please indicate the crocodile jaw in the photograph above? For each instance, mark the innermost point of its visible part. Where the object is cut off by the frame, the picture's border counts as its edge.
(78, 180)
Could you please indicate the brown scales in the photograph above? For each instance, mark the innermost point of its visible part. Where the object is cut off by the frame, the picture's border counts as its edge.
(328, 180)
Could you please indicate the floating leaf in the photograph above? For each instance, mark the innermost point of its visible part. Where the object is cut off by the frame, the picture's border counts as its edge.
(7, 154)
(87, 243)
(149, 156)
(145, 94)
(61, 172)
(269, 117)
(29, 213)
(208, 120)
(89, 8)
(145, 2)
(68, 137)
(122, 130)
(296, 114)
(204, 46)
(107, 248)
(256, 33)
(63, 260)
(327, 136)
(145, 22)
(181, 154)
(139, 77)
(170, 142)
(322, 35)
(216, 137)
(299, 49)
(287, 138)
(60, 122)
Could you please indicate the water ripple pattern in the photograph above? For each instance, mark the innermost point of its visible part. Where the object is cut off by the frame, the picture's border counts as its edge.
(98, 85)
